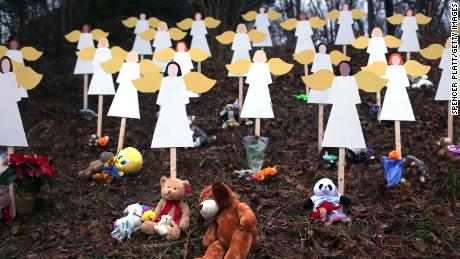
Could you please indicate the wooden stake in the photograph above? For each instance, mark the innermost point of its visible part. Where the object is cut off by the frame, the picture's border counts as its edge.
(307, 90)
(398, 136)
(199, 66)
(379, 98)
(12, 191)
(121, 137)
(257, 133)
(173, 163)
(85, 91)
(99, 116)
(240, 92)
(142, 57)
(450, 121)
(344, 50)
(320, 126)
(407, 56)
(341, 177)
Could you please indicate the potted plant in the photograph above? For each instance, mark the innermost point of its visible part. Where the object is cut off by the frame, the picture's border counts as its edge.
(28, 173)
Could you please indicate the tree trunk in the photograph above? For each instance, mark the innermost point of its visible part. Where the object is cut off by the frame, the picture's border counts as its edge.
(370, 16)
(389, 12)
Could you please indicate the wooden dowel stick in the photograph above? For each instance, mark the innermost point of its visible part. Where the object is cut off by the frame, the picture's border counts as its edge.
(85, 91)
(341, 176)
(398, 136)
(12, 191)
(99, 116)
(307, 90)
(257, 131)
(173, 164)
(320, 126)
(142, 57)
(407, 56)
(344, 50)
(199, 66)
(379, 98)
(121, 137)
(240, 92)
(450, 121)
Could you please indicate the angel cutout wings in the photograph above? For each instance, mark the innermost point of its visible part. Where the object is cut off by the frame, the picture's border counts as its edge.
(151, 80)
(276, 65)
(27, 53)
(409, 28)
(198, 31)
(26, 77)
(111, 66)
(254, 35)
(345, 34)
(307, 57)
(149, 34)
(303, 31)
(184, 58)
(76, 36)
(261, 23)
(376, 46)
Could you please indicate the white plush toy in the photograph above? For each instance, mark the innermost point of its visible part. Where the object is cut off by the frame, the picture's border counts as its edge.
(124, 227)
(421, 82)
(162, 228)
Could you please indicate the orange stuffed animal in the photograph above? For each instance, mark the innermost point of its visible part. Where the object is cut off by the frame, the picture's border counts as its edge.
(232, 231)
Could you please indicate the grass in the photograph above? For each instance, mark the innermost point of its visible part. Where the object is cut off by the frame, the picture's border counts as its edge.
(447, 183)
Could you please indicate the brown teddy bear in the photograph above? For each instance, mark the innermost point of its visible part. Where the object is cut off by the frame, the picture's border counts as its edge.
(95, 166)
(172, 204)
(443, 151)
(232, 231)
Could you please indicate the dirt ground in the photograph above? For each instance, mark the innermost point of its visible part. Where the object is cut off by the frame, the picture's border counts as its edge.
(75, 219)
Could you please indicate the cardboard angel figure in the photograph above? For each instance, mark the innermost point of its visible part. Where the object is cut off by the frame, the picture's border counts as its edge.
(173, 127)
(241, 45)
(262, 24)
(377, 47)
(17, 54)
(257, 103)
(443, 93)
(344, 127)
(183, 56)
(102, 81)
(345, 34)
(85, 39)
(396, 104)
(320, 60)
(198, 30)
(303, 30)
(125, 104)
(162, 40)
(11, 128)
(144, 34)
(409, 29)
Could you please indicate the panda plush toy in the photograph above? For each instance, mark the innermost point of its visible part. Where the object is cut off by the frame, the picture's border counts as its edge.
(327, 202)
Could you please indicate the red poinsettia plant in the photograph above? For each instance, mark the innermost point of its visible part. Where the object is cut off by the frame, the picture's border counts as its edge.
(29, 173)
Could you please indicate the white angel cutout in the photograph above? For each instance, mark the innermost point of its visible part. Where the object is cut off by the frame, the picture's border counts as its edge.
(377, 47)
(102, 81)
(143, 33)
(183, 57)
(345, 34)
(443, 93)
(396, 104)
(262, 24)
(11, 129)
(257, 103)
(409, 29)
(162, 40)
(344, 127)
(173, 127)
(18, 55)
(303, 30)
(85, 39)
(198, 30)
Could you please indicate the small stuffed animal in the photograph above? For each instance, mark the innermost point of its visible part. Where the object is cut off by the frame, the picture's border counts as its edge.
(96, 166)
(414, 166)
(232, 230)
(359, 155)
(130, 223)
(162, 228)
(448, 149)
(128, 161)
(200, 138)
(172, 195)
(230, 115)
(327, 197)
(421, 82)
(373, 111)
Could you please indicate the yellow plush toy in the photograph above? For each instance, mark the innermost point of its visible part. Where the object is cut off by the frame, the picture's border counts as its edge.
(149, 215)
(128, 161)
